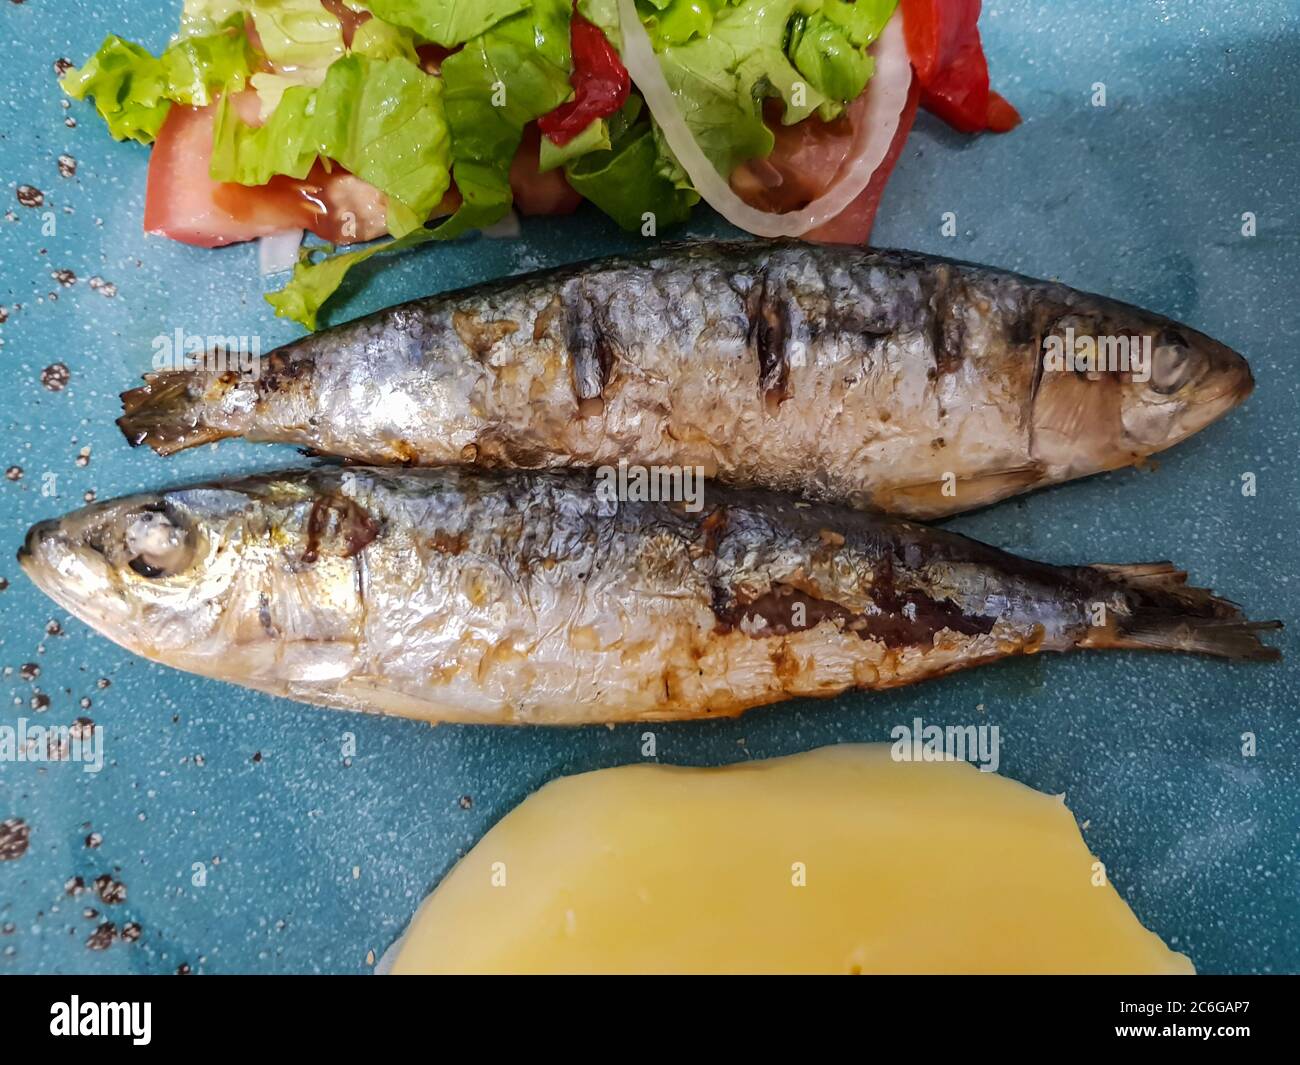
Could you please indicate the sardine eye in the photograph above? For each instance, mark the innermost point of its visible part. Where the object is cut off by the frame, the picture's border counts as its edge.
(140, 566)
(156, 543)
(1172, 363)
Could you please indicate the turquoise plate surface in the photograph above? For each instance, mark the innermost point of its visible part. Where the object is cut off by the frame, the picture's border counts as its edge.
(248, 842)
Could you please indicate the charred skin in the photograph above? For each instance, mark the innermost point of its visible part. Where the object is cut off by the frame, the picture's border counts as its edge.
(874, 378)
(455, 595)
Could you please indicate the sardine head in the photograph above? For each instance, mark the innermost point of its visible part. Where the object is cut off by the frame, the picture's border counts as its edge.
(256, 581)
(145, 571)
(1113, 390)
(1193, 380)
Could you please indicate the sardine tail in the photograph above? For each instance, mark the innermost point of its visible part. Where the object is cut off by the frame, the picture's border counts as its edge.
(164, 414)
(1168, 614)
(1206, 636)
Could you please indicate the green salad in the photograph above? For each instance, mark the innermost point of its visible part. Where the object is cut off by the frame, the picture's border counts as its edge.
(445, 114)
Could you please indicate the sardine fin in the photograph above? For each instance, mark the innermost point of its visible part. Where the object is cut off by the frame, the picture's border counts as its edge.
(1207, 636)
(936, 499)
(1170, 615)
(163, 414)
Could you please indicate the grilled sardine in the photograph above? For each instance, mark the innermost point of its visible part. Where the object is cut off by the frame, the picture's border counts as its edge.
(513, 597)
(882, 379)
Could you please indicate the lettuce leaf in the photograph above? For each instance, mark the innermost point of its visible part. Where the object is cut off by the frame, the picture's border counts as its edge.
(862, 21)
(133, 90)
(380, 118)
(720, 81)
(252, 155)
(629, 180)
(603, 13)
(128, 86)
(374, 38)
(199, 17)
(446, 22)
(270, 88)
(594, 138)
(829, 48)
(677, 21)
(504, 78)
(193, 66)
(315, 281)
(501, 80)
(382, 40)
(383, 120)
(297, 33)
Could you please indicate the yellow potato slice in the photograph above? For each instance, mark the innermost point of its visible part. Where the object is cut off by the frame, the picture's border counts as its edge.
(841, 860)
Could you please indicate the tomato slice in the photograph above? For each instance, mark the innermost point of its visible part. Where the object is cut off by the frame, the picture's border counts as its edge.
(534, 192)
(334, 204)
(853, 225)
(804, 160)
(181, 201)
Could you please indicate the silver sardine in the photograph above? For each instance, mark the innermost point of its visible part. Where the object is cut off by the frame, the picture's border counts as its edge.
(884, 379)
(539, 597)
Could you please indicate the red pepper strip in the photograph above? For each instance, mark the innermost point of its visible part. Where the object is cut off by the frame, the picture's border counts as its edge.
(1002, 116)
(959, 92)
(935, 31)
(943, 41)
(599, 79)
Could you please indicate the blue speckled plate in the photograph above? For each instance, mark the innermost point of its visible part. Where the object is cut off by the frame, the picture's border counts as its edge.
(248, 842)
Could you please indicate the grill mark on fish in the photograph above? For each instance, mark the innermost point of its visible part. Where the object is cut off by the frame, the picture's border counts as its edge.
(845, 314)
(338, 524)
(264, 615)
(769, 330)
(447, 543)
(712, 529)
(404, 454)
(771, 612)
(497, 452)
(911, 620)
(915, 612)
(873, 330)
(478, 336)
(594, 346)
(1034, 386)
(947, 327)
(281, 369)
(1022, 331)
(546, 316)
(360, 583)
